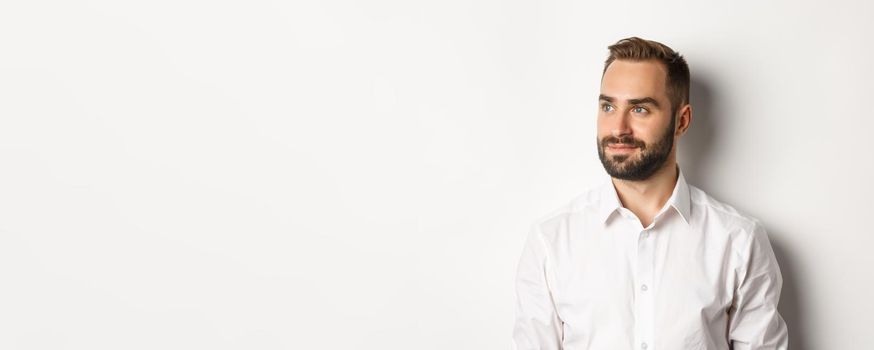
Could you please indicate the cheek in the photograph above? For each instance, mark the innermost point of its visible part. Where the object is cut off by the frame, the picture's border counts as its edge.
(646, 130)
(601, 135)
(603, 130)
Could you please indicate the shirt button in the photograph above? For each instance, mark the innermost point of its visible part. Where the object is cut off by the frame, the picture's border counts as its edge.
(643, 288)
(643, 345)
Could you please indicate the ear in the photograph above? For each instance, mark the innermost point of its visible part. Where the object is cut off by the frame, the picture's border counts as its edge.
(684, 119)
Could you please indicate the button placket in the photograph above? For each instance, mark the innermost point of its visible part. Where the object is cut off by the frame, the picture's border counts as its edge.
(645, 298)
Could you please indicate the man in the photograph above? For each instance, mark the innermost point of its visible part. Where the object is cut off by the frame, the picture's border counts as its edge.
(646, 261)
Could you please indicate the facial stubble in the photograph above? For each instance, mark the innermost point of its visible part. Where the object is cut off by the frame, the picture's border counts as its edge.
(652, 157)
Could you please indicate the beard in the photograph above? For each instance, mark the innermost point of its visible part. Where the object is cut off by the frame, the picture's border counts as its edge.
(652, 156)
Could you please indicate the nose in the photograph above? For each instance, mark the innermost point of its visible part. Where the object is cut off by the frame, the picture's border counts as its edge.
(620, 126)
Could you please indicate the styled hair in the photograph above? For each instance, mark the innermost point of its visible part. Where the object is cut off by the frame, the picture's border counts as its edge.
(637, 49)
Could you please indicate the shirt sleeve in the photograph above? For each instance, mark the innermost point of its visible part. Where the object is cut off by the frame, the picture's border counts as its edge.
(537, 325)
(754, 323)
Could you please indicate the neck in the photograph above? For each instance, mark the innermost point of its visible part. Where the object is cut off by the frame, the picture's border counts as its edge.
(646, 197)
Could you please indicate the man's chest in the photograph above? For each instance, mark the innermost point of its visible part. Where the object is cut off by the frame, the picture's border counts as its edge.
(672, 278)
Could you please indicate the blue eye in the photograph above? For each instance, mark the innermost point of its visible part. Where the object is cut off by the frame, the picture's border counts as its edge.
(606, 107)
(639, 110)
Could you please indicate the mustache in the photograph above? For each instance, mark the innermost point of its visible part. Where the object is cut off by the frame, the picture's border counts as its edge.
(628, 140)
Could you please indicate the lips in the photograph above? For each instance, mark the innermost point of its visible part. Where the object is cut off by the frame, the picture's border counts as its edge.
(620, 147)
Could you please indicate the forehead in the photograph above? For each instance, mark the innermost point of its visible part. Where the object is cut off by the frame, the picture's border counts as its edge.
(634, 79)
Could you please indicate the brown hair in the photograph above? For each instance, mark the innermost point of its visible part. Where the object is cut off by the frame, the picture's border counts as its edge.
(637, 49)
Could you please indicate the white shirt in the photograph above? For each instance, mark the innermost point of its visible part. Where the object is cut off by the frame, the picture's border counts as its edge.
(701, 276)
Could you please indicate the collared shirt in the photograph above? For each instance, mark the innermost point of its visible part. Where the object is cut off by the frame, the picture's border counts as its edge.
(701, 276)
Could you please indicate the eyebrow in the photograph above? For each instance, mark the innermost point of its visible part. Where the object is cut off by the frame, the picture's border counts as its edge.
(633, 101)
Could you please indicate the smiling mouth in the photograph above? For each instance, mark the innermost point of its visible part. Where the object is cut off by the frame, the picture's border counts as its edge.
(620, 147)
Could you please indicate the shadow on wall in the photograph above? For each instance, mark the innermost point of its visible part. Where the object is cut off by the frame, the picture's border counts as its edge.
(701, 136)
(790, 307)
(693, 157)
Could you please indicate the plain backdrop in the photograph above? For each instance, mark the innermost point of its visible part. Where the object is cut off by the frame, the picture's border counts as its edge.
(362, 174)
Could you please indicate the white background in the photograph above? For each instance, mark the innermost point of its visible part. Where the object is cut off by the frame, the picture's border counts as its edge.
(362, 175)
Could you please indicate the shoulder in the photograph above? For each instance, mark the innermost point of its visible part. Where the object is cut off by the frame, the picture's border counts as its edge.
(718, 217)
(554, 221)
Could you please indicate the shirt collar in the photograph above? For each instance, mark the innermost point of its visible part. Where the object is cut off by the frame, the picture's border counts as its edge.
(680, 199)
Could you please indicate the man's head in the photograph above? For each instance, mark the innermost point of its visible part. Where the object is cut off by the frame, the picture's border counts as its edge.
(643, 106)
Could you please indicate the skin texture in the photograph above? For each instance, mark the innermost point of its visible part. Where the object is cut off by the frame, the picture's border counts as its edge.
(634, 113)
